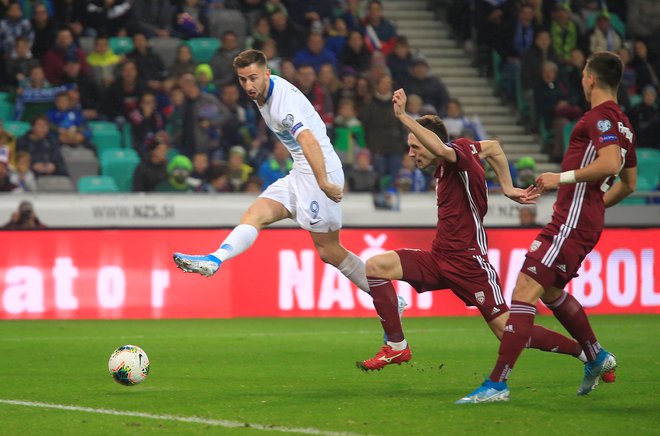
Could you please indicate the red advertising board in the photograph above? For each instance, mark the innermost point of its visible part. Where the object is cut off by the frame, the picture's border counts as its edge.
(86, 274)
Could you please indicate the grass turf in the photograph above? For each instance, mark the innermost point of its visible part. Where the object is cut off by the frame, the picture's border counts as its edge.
(300, 373)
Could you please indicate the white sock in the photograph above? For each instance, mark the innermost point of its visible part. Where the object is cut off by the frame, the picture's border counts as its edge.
(398, 346)
(583, 357)
(239, 240)
(353, 268)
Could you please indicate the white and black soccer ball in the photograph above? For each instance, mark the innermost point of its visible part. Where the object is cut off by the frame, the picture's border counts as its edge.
(129, 365)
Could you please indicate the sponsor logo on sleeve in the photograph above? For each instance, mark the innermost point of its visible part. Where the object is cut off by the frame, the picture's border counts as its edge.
(288, 121)
(535, 246)
(604, 125)
(607, 138)
(481, 297)
(295, 128)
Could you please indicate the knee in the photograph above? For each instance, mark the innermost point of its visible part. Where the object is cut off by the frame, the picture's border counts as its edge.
(331, 254)
(374, 267)
(551, 295)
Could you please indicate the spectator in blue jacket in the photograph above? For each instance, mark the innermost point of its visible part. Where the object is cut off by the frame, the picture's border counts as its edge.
(315, 54)
(277, 166)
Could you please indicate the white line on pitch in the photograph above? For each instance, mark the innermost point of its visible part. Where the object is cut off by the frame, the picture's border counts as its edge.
(189, 419)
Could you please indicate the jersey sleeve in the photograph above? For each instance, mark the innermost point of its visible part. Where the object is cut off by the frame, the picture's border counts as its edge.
(602, 130)
(288, 114)
(465, 152)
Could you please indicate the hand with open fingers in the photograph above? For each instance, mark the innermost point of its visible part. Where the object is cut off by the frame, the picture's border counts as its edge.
(547, 182)
(523, 196)
(333, 192)
(399, 99)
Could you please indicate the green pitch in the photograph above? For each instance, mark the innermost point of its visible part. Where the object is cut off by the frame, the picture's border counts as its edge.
(296, 375)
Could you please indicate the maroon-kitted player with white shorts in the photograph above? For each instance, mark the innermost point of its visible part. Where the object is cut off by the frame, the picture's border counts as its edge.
(602, 146)
(458, 259)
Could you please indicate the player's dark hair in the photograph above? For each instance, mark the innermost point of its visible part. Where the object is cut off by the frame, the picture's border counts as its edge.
(434, 124)
(249, 57)
(607, 67)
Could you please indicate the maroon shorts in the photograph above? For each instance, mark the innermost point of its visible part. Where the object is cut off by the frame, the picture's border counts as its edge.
(470, 277)
(555, 256)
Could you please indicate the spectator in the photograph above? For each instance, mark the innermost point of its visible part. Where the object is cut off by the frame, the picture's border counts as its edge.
(571, 74)
(518, 37)
(218, 179)
(190, 19)
(643, 18)
(152, 170)
(525, 172)
(44, 151)
(355, 53)
(200, 172)
(410, 178)
(629, 76)
(286, 34)
(362, 177)
(645, 118)
(527, 215)
(183, 62)
(378, 66)
(55, 58)
(23, 177)
(288, 70)
(9, 141)
(276, 166)
(70, 14)
(204, 78)
(379, 33)
(564, 33)
(110, 17)
(222, 60)
(155, 17)
(317, 14)
(24, 218)
(428, 87)
(415, 104)
(352, 15)
(319, 97)
(363, 93)
(146, 122)
(103, 61)
(123, 95)
(337, 36)
(44, 31)
(149, 64)
(348, 144)
(20, 62)
(260, 33)
(178, 171)
(459, 126)
(645, 72)
(6, 185)
(239, 125)
(273, 59)
(384, 135)
(88, 91)
(533, 58)
(327, 78)
(346, 85)
(12, 26)
(239, 171)
(202, 116)
(35, 94)
(68, 123)
(253, 185)
(315, 54)
(603, 36)
(400, 61)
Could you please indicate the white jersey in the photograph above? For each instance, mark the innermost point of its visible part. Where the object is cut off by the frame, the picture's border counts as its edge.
(287, 112)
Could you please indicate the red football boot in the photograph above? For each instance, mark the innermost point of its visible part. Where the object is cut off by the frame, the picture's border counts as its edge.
(386, 356)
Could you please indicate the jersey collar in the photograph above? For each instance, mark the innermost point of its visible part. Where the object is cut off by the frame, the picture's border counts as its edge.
(270, 89)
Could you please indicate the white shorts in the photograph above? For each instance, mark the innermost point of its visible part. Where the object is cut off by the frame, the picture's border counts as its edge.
(300, 194)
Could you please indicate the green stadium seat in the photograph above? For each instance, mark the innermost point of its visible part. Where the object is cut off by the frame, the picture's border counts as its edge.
(7, 110)
(568, 128)
(616, 21)
(121, 44)
(348, 139)
(105, 135)
(97, 184)
(5, 96)
(203, 48)
(127, 136)
(172, 153)
(17, 128)
(648, 164)
(120, 165)
(497, 70)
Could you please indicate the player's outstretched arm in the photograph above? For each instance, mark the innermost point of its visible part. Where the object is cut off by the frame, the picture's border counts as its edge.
(607, 164)
(312, 151)
(623, 187)
(494, 155)
(428, 139)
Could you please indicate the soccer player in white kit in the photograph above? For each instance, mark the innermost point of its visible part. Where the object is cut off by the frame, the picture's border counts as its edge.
(309, 194)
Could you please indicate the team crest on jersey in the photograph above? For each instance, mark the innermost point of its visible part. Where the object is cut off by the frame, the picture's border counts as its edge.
(604, 125)
(288, 121)
(481, 297)
(535, 246)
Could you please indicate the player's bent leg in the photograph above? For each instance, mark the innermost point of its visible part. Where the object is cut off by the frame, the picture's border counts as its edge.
(385, 266)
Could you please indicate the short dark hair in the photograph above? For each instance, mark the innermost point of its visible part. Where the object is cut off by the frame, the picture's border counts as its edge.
(435, 124)
(249, 57)
(607, 67)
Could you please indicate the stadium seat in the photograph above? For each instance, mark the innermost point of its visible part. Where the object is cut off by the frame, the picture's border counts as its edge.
(616, 21)
(203, 48)
(127, 136)
(105, 135)
(221, 20)
(347, 140)
(97, 184)
(54, 184)
(497, 71)
(648, 165)
(165, 48)
(568, 128)
(86, 43)
(5, 96)
(7, 110)
(17, 128)
(80, 161)
(121, 44)
(120, 165)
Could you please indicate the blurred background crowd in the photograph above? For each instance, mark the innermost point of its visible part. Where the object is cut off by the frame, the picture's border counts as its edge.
(122, 95)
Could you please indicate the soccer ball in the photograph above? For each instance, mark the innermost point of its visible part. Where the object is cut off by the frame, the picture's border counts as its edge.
(129, 365)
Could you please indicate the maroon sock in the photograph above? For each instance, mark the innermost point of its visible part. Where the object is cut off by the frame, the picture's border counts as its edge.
(516, 335)
(548, 340)
(387, 306)
(571, 315)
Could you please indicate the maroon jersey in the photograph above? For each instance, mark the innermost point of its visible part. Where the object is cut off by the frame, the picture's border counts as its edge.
(580, 205)
(462, 200)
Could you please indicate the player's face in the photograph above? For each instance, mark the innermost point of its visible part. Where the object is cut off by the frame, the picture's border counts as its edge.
(423, 157)
(254, 80)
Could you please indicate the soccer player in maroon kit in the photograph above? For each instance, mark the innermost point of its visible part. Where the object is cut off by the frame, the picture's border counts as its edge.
(601, 146)
(458, 258)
